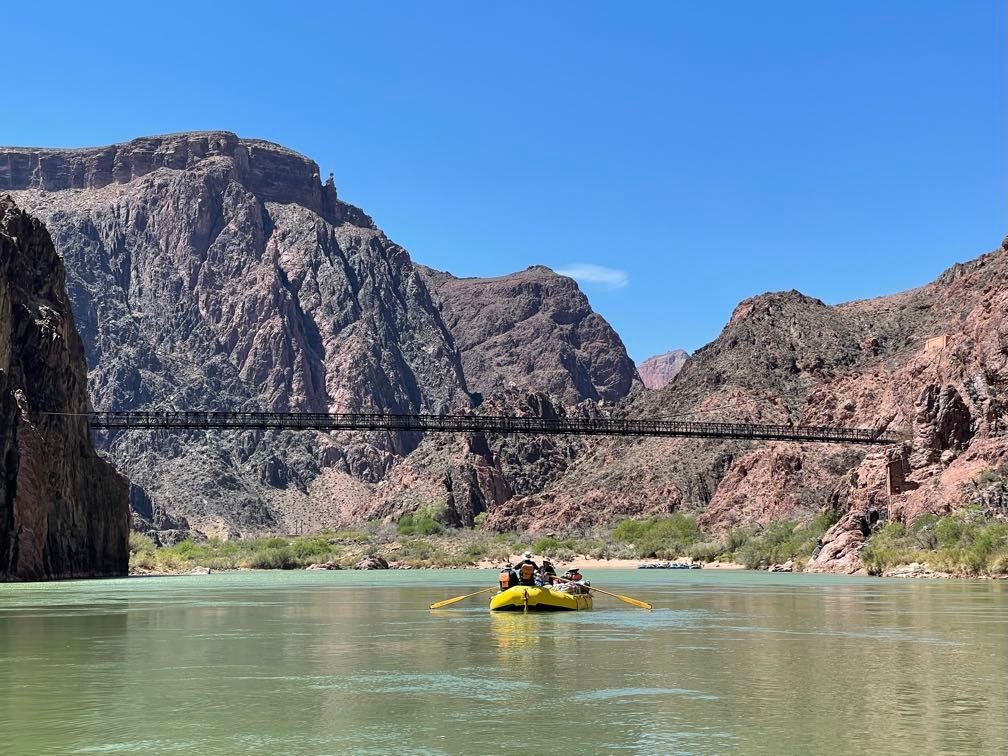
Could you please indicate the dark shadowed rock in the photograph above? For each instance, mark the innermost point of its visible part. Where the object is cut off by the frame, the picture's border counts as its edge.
(942, 422)
(64, 511)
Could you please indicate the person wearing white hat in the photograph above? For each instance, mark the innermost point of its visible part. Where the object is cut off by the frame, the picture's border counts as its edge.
(526, 569)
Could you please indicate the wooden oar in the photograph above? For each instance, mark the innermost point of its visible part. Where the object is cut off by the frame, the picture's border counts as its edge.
(627, 599)
(446, 602)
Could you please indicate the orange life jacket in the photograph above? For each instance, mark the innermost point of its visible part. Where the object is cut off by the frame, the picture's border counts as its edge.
(505, 579)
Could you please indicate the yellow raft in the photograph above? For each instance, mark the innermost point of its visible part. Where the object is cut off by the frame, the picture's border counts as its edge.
(538, 599)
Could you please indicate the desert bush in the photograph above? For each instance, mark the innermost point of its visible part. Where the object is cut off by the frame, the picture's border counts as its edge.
(706, 551)
(736, 538)
(272, 558)
(949, 531)
(660, 536)
(141, 544)
(427, 520)
(347, 536)
(315, 549)
(417, 549)
(963, 543)
(782, 541)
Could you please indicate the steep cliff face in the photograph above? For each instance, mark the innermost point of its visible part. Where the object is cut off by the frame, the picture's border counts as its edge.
(658, 371)
(208, 271)
(63, 510)
(532, 331)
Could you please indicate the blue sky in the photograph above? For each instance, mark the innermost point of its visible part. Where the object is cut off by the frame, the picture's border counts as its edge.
(676, 156)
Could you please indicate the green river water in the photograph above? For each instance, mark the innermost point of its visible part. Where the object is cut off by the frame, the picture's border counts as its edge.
(354, 662)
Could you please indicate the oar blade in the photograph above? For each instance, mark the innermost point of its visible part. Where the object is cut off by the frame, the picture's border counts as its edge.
(446, 602)
(635, 602)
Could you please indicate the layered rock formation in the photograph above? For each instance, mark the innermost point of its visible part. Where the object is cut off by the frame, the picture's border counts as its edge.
(932, 363)
(63, 510)
(658, 371)
(208, 271)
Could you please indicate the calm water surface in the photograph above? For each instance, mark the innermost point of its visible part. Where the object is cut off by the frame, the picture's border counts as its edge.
(322, 663)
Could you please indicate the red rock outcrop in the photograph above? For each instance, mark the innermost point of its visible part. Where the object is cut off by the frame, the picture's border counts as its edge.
(658, 371)
(63, 510)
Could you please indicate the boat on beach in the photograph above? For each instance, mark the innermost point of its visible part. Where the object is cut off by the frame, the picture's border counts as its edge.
(521, 597)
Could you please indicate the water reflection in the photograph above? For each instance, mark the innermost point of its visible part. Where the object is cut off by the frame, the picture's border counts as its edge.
(297, 664)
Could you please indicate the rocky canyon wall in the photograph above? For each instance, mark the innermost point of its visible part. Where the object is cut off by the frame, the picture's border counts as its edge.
(212, 272)
(63, 510)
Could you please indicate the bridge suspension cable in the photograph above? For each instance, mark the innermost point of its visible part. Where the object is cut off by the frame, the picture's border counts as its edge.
(395, 423)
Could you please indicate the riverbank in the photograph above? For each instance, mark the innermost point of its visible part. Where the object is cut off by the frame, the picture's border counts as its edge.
(962, 546)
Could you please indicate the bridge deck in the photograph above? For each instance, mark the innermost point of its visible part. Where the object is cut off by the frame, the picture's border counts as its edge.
(482, 423)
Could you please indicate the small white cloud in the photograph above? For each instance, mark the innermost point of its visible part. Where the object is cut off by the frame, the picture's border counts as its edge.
(596, 274)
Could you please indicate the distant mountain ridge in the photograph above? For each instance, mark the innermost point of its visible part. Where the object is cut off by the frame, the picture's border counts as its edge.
(656, 372)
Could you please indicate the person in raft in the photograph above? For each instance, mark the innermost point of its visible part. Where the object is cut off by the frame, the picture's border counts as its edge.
(547, 573)
(508, 577)
(526, 570)
(573, 581)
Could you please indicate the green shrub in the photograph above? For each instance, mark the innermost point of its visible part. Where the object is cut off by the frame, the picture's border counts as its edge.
(273, 558)
(428, 520)
(547, 545)
(736, 539)
(963, 543)
(314, 549)
(477, 550)
(273, 542)
(923, 531)
(479, 520)
(706, 551)
(348, 536)
(949, 531)
(662, 537)
(780, 542)
(497, 553)
(557, 548)
(417, 549)
(141, 544)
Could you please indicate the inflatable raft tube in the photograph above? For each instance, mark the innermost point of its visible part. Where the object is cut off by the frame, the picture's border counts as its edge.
(539, 599)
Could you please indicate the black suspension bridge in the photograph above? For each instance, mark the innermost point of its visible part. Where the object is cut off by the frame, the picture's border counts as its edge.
(501, 424)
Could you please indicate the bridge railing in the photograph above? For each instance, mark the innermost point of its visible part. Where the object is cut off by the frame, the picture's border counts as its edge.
(399, 423)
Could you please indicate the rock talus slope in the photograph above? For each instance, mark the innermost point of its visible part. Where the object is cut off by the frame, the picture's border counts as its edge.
(63, 510)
